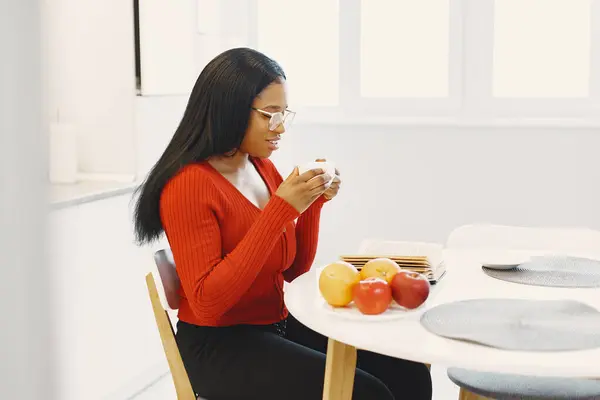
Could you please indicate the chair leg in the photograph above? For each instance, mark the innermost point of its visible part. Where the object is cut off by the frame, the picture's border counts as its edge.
(466, 395)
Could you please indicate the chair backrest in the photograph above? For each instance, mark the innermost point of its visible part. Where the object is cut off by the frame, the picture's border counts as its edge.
(181, 380)
(168, 276)
(503, 237)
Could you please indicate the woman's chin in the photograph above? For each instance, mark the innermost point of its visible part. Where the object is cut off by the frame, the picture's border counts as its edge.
(266, 152)
(261, 154)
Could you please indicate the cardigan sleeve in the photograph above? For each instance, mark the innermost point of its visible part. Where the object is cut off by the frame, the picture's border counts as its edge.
(307, 240)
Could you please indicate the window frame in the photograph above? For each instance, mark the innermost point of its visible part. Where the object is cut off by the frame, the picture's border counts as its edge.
(401, 106)
(470, 97)
(479, 99)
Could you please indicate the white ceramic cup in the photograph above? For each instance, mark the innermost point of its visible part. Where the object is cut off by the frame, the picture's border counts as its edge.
(327, 166)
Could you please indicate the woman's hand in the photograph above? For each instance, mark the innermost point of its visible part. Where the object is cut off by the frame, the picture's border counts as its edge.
(300, 191)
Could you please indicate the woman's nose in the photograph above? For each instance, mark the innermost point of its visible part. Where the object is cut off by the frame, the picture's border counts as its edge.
(279, 129)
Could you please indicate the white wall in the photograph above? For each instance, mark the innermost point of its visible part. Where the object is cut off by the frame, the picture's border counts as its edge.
(26, 343)
(418, 183)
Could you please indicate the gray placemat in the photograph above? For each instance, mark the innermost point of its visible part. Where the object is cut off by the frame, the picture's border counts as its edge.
(515, 324)
(513, 387)
(573, 272)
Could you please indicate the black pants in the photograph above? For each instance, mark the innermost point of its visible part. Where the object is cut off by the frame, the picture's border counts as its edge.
(250, 362)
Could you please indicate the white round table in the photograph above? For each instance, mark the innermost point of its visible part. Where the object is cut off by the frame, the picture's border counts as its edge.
(406, 338)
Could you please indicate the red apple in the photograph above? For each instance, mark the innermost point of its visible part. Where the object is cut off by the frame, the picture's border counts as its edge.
(410, 289)
(372, 296)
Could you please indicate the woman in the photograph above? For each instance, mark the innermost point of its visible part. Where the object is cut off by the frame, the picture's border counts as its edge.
(229, 218)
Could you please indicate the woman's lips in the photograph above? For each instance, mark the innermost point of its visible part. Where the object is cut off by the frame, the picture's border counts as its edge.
(273, 143)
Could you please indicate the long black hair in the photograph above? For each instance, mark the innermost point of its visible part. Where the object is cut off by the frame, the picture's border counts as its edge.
(214, 123)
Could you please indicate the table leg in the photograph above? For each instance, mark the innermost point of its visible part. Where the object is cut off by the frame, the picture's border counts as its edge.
(339, 371)
(466, 395)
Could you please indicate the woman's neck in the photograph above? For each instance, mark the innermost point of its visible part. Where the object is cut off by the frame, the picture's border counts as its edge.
(229, 164)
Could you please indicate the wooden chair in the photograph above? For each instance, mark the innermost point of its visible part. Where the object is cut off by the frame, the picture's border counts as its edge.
(170, 281)
(476, 385)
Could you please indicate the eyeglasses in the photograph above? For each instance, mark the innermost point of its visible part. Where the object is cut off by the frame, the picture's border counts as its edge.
(286, 118)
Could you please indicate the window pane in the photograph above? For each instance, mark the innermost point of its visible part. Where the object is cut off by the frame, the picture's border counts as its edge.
(542, 48)
(303, 37)
(404, 48)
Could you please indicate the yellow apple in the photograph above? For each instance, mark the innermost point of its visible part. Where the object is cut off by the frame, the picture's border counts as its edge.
(383, 268)
(336, 283)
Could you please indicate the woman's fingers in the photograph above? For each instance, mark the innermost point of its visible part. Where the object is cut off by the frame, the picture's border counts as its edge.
(310, 174)
(319, 183)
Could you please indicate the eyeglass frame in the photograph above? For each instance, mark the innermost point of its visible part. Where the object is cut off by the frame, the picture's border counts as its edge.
(284, 116)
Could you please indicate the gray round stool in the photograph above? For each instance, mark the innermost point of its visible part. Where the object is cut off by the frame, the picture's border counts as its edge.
(520, 387)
